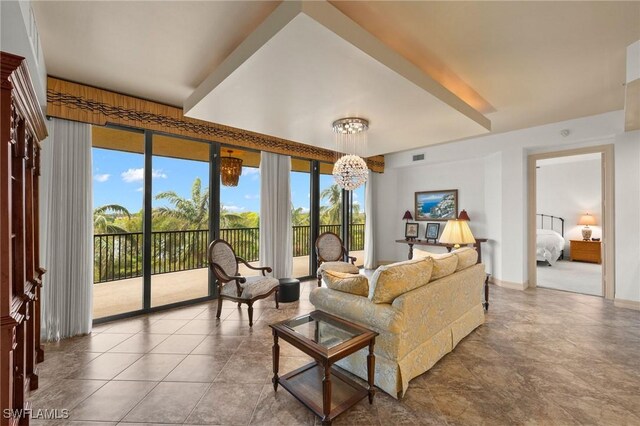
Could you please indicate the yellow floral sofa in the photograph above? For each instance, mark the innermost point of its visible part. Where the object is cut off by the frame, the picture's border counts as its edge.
(418, 326)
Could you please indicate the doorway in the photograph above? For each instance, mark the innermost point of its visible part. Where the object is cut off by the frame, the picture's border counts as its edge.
(570, 222)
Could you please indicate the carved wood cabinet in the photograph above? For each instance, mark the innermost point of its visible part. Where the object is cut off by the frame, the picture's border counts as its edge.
(22, 128)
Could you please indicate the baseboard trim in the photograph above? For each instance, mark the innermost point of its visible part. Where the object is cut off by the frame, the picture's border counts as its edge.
(509, 284)
(627, 304)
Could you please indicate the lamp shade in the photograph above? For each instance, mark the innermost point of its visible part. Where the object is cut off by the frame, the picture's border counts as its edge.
(464, 216)
(457, 232)
(407, 216)
(587, 220)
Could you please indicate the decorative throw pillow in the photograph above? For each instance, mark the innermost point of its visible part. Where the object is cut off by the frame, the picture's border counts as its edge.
(390, 281)
(443, 265)
(467, 256)
(348, 283)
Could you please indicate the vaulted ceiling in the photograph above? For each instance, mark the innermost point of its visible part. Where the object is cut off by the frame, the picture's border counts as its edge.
(519, 63)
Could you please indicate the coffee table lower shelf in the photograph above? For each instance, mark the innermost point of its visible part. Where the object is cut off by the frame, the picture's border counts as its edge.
(305, 384)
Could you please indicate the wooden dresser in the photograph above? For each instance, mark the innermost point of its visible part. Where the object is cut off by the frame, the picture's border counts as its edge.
(22, 128)
(586, 251)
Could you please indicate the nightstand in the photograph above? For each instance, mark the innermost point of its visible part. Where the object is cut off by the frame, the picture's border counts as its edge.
(586, 251)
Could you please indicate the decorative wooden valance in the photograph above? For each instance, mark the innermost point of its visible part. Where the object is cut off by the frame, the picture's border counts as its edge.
(73, 101)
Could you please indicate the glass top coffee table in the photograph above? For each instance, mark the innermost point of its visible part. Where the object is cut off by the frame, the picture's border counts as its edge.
(320, 386)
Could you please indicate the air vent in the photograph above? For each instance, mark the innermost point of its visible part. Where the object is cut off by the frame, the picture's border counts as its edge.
(418, 157)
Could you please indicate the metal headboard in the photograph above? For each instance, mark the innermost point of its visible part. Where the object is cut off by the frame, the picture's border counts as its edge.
(552, 220)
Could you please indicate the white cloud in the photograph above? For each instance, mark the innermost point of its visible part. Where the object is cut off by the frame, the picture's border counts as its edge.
(357, 203)
(252, 196)
(232, 208)
(140, 189)
(247, 171)
(102, 177)
(136, 175)
(355, 195)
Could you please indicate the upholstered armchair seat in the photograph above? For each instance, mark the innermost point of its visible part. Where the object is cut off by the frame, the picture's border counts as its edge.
(252, 287)
(345, 267)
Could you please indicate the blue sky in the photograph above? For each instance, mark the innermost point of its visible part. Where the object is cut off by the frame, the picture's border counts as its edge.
(118, 179)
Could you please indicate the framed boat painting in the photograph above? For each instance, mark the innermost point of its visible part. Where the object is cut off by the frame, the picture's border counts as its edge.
(436, 205)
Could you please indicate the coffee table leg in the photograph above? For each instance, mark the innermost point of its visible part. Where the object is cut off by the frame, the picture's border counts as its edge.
(326, 394)
(276, 360)
(371, 370)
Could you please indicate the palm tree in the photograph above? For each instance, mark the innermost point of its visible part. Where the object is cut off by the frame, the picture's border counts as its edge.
(330, 214)
(103, 219)
(192, 213)
(298, 216)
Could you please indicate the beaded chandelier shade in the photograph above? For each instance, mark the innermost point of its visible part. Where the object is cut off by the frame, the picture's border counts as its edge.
(230, 170)
(350, 171)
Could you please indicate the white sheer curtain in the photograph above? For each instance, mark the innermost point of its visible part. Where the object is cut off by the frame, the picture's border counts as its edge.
(276, 246)
(67, 230)
(369, 242)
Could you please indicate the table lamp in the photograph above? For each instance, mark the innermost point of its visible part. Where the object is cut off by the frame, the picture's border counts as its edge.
(407, 216)
(457, 232)
(586, 220)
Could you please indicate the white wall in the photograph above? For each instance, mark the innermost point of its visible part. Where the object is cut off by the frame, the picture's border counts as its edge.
(569, 190)
(19, 36)
(491, 173)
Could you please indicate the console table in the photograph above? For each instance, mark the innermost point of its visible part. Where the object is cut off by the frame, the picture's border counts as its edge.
(449, 247)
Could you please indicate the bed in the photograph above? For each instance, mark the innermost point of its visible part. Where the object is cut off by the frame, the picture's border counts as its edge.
(549, 239)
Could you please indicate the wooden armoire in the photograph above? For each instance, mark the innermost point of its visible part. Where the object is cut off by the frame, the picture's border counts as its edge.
(22, 127)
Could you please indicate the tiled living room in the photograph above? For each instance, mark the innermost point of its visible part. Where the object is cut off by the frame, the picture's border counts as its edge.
(319, 212)
(542, 357)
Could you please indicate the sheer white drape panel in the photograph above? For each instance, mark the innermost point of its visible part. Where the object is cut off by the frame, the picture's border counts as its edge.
(67, 230)
(369, 242)
(276, 245)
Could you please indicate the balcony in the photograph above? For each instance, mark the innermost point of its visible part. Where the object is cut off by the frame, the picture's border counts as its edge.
(179, 263)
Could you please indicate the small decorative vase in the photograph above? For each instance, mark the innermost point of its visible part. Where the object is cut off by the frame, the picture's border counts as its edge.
(586, 233)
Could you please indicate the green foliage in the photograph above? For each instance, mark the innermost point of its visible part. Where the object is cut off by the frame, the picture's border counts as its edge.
(104, 219)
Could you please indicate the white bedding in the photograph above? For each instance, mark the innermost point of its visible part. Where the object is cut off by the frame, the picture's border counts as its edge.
(549, 245)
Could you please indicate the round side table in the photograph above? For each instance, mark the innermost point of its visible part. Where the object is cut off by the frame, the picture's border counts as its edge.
(289, 290)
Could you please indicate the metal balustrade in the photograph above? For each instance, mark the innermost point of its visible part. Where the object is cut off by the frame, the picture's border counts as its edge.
(119, 256)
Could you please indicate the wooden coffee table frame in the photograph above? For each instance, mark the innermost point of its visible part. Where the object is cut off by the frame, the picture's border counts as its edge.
(312, 384)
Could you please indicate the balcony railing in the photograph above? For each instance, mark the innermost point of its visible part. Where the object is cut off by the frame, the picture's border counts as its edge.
(119, 256)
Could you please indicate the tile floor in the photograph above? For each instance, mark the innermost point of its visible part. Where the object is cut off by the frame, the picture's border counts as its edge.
(543, 357)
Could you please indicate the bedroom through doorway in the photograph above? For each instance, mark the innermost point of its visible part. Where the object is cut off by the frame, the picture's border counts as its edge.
(569, 252)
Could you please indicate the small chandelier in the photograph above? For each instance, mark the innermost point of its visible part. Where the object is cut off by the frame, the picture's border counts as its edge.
(230, 170)
(350, 171)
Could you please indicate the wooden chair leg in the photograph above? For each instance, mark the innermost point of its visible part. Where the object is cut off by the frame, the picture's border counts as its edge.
(239, 305)
(219, 307)
(319, 280)
(276, 296)
(250, 314)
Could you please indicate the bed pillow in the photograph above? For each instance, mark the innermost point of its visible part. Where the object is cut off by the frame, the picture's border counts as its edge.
(390, 281)
(467, 257)
(348, 283)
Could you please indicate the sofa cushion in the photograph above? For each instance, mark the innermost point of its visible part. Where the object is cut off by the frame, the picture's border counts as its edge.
(443, 265)
(348, 283)
(390, 281)
(467, 257)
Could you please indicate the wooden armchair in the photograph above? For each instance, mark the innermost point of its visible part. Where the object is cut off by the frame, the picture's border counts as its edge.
(332, 256)
(223, 262)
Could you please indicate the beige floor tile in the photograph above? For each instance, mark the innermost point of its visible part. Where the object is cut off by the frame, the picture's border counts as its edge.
(214, 345)
(105, 367)
(165, 326)
(140, 343)
(280, 408)
(100, 342)
(246, 370)
(196, 368)
(112, 401)
(225, 404)
(64, 394)
(62, 364)
(152, 367)
(198, 326)
(169, 402)
(178, 344)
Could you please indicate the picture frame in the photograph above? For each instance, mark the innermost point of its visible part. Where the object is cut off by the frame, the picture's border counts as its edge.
(411, 230)
(433, 232)
(439, 205)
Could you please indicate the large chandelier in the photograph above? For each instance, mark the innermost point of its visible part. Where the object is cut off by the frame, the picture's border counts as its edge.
(350, 171)
(230, 170)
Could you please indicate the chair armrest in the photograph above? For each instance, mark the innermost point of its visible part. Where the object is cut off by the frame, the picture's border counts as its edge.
(352, 259)
(222, 276)
(264, 269)
(378, 316)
